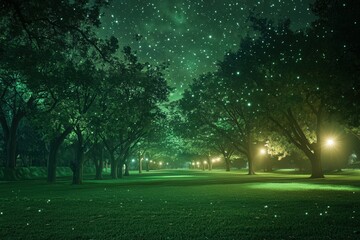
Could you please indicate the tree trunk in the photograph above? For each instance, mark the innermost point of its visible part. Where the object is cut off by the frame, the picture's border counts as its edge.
(140, 164)
(99, 168)
(147, 165)
(209, 163)
(120, 169)
(127, 173)
(114, 165)
(227, 164)
(316, 168)
(11, 151)
(315, 160)
(99, 162)
(77, 165)
(54, 148)
(251, 165)
(250, 153)
(77, 169)
(268, 163)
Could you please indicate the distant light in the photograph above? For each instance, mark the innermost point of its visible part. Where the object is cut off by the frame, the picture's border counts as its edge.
(262, 151)
(133, 160)
(215, 160)
(330, 142)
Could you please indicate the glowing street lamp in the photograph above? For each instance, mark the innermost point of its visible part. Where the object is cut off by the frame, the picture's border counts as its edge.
(262, 151)
(330, 142)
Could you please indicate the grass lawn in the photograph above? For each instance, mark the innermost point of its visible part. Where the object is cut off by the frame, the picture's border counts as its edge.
(184, 205)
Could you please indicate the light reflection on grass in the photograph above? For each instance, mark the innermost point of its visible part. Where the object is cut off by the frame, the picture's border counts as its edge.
(301, 187)
(172, 176)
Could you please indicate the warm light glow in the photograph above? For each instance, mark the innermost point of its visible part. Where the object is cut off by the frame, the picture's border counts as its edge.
(215, 160)
(262, 151)
(330, 142)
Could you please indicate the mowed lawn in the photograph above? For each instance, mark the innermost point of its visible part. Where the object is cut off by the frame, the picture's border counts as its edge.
(184, 205)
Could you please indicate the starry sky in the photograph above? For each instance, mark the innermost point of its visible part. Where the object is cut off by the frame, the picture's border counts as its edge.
(191, 35)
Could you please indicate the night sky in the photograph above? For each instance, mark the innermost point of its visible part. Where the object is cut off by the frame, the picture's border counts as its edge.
(192, 35)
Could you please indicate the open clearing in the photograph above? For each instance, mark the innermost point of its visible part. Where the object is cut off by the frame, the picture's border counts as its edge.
(184, 205)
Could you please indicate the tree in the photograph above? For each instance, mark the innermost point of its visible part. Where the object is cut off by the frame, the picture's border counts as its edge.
(202, 139)
(302, 88)
(85, 85)
(21, 95)
(226, 102)
(32, 35)
(137, 91)
(339, 38)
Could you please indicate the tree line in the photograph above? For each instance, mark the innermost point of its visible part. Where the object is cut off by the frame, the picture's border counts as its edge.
(288, 90)
(285, 89)
(68, 83)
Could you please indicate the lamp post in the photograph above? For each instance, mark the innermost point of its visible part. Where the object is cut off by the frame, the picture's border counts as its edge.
(263, 152)
(147, 162)
(330, 144)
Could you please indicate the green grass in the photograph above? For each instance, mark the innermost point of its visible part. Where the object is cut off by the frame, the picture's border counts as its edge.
(184, 205)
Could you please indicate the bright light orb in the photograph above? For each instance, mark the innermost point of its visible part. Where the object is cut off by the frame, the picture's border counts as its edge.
(262, 151)
(330, 142)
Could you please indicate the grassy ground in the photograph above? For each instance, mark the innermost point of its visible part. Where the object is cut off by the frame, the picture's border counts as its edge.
(184, 205)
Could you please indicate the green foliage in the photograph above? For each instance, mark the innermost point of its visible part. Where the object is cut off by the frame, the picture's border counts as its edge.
(58, 73)
(337, 24)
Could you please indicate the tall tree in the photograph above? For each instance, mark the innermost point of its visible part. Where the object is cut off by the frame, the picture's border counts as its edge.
(137, 92)
(225, 103)
(32, 34)
(338, 36)
(296, 84)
